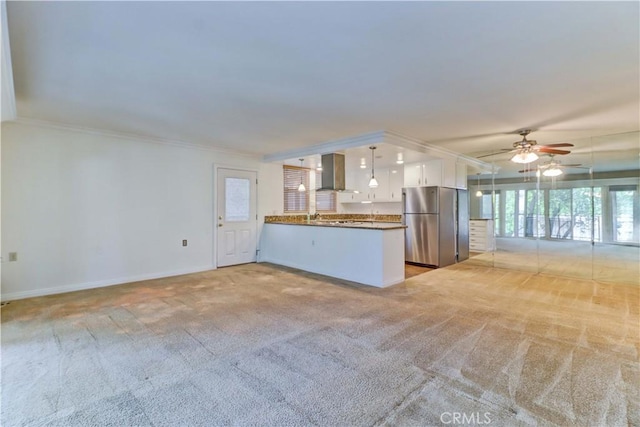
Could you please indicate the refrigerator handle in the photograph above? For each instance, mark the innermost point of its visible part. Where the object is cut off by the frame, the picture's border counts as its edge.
(404, 208)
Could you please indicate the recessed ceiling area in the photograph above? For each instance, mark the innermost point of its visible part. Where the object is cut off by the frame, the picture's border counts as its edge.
(385, 154)
(264, 77)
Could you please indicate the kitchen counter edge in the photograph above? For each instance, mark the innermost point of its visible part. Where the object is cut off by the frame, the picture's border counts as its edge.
(366, 225)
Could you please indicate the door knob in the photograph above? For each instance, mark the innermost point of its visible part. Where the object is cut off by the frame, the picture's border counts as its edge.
(220, 218)
(219, 225)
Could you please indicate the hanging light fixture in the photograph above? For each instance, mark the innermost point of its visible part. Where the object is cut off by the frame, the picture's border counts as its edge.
(301, 187)
(363, 163)
(525, 156)
(552, 171)
(373, 183)
(478, 192)
(400, 159)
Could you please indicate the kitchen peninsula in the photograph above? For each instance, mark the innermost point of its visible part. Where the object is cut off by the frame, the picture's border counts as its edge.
(361, 250)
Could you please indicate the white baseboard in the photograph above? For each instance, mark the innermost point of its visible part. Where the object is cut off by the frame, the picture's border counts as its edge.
(99, 284)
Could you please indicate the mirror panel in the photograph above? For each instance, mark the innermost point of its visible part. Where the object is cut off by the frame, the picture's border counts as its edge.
(565, 247)
(616, 249)
(583, 223)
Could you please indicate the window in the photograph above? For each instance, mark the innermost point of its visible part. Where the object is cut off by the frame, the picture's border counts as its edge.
(587, 213)
(559, 214)
(509, 213)
(294, 200)
(623, 204)
(325, 200)
(534, 226)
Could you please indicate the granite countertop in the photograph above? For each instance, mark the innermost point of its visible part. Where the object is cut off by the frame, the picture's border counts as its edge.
(369, 225)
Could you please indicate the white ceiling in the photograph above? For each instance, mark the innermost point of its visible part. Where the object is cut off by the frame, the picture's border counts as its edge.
(264, 77)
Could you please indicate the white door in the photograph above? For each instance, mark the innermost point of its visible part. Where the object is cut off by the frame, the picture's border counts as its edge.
(236, 219)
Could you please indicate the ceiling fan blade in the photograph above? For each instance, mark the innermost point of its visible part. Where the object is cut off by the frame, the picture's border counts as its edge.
(552, 150)
(502, 151)
(561, 144)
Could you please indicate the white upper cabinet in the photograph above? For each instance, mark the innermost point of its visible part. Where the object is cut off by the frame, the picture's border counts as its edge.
(354, 181)
(433, 173)
(396, 182)
(461, 175)
(381, 193)
(423, 174)
(390, 183)
(439, 172)
(413, 175)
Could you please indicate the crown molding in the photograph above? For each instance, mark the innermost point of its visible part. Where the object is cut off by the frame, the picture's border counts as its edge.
(378, 137)
(131, 137)
(415, 144)
(8, 109)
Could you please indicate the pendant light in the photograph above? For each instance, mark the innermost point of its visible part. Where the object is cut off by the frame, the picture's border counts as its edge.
(479, 192)
(373, 183)
(301, 187)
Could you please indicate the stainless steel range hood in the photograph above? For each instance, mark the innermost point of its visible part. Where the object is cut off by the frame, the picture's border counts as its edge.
(332, 172)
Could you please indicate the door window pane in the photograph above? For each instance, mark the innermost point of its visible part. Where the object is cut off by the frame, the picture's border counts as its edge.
(237, 193)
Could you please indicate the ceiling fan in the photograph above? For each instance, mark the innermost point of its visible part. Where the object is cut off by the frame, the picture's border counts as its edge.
(525, 151)
(553, 167)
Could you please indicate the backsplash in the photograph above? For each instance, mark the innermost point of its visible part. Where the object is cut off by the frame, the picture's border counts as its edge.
(297, 219)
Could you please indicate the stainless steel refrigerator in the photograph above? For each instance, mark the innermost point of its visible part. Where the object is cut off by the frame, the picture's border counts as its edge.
(437, 219)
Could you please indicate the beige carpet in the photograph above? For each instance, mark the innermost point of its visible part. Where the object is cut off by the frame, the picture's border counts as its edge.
(602, 262)
(263, 345)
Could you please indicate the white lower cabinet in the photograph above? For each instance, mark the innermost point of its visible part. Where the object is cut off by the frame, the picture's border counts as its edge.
(481, 236)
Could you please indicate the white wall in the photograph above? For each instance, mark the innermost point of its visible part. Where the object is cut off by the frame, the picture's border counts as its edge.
(85, 210)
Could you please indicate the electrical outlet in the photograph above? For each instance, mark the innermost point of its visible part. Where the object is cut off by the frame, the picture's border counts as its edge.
(184, 242)
(13, 256)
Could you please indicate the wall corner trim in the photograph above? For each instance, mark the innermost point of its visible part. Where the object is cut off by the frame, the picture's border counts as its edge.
(8, 109)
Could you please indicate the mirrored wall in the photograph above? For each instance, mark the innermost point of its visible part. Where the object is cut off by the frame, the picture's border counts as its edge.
(571, 215)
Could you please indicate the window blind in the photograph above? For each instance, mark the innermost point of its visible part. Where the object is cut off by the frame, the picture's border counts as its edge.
(294, 200)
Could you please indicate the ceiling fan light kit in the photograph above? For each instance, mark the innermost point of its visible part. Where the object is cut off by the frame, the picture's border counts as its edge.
(524, 157)
(552, 172)
(526, 150)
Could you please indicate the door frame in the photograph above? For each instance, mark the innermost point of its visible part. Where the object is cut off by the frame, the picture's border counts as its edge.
(214, 206)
